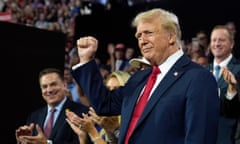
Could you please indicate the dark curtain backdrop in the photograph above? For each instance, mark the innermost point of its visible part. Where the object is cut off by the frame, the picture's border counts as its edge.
(25, 51)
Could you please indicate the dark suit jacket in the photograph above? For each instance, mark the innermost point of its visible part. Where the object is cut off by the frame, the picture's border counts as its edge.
(62, 132)
(229, 109)
(183, 109)
(237, 135)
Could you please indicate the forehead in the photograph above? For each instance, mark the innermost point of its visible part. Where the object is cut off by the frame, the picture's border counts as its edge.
(219, 33)
(48, 78)
(145, 25)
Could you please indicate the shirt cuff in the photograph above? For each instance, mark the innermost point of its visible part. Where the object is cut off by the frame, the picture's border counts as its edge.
(230, 96)
(49, 142)
(76, 66)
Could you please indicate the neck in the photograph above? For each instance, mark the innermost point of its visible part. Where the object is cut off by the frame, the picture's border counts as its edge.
(218, 60)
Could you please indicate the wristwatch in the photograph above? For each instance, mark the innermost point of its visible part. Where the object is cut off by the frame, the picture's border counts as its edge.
(117, 132)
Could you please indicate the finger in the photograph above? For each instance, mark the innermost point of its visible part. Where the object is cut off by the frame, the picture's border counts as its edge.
(31, 126)
(82, 42)
(28, 138)
(84, 115)
(92, 39)
(94, 117)
(228, 76)
(24, 127)
(69, 122)
(70, 115)
(93, 113)
(224, 75)
(39, 130)
(91, 109)
(75, 120)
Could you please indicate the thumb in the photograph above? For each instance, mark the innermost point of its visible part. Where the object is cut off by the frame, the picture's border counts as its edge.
(31, 126)
(39, 130)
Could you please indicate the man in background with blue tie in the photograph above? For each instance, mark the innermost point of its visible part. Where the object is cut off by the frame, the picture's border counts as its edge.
(47, 125)
(183, 105)
(225, 65)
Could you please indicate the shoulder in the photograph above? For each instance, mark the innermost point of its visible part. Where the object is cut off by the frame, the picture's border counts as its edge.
(39, 110)
(185, 64)
(37, 114)
(75, 107)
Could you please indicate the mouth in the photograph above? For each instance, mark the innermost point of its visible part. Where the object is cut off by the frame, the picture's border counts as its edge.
(145, 50)
(52, 94)
(217, 49)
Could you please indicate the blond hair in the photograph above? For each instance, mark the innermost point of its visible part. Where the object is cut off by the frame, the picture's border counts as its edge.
(121, 76)
(167, 20)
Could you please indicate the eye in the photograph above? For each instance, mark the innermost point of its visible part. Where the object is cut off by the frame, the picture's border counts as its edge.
(43, 86)
(138, 35)
(146, 33)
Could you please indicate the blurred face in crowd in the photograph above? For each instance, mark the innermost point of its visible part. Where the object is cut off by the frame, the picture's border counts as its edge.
(221, 44)
(154, 42)
(53, 88)
(129, 53)
(68, 76)
(203, 61)
(119, 54)
(202, 39)
(232, 27)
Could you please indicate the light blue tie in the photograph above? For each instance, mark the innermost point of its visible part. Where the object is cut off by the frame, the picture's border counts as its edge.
(217, 71)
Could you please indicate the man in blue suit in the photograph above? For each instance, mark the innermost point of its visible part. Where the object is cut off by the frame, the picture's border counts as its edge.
(53, 90)
(183, 107)
(221, 45)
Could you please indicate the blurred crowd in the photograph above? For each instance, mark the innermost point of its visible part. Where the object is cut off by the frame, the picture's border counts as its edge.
(60, 15)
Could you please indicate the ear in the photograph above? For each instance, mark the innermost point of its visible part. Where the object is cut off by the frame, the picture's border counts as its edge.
(172, 39)
(232, 45)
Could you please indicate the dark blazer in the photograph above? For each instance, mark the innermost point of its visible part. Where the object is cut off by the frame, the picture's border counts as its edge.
(229, 109)
(62, 132)
(182, 110)
(237, 135)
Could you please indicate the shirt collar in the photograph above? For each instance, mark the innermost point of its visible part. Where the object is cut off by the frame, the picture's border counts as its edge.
(224, 62)
(170, 61)
(59, 106)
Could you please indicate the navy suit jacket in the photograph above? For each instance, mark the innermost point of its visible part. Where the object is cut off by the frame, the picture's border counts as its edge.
(62, 132)
(229, 109)
(184, 108)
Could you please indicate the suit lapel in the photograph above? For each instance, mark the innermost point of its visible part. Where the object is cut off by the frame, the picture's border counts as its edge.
(139, 81)
(174, 74)
(60, 122)
(43, 116)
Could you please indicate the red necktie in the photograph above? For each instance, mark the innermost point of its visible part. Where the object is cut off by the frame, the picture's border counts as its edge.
(142, 102)
(49, 124)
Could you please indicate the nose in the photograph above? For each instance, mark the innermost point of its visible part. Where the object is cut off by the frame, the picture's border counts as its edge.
(142, 41)
(217, 42)
(49, 89)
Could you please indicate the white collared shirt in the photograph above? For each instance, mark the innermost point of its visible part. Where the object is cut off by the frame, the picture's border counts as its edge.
(166, 66)
(224, 63)
(57, 112)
